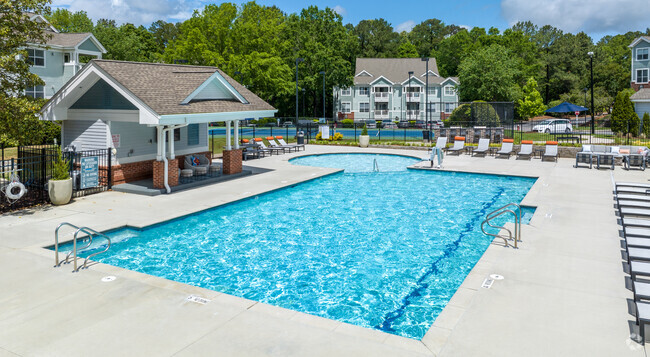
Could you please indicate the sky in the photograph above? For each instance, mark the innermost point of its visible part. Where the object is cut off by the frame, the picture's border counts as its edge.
(595, 17)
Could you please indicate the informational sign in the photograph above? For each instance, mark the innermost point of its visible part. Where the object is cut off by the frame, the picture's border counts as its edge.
(324, 132)
(116, 140)
(89, 172)
(577, 113)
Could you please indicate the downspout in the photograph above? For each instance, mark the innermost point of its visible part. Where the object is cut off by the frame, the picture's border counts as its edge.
(164, 159)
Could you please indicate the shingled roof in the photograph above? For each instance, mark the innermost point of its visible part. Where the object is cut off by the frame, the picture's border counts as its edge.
(395, 70)
(163, 87)
(66, 39)
(642, 94)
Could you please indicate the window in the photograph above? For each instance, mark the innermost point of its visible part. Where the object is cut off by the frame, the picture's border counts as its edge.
(346, 92)
(642, 75)
(177, 134)
(345, 107)
(36, 57)
(449, 90)
(642, 54)
(364, 91)
(433, 91)
(449, 107)
(432, 107)
(364, 107)
(35, 92)
(67, 58)
(192, 134)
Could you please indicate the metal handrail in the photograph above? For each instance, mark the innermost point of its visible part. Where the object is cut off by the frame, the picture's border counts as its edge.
(89, 238)
(375, 166)
(517, 218)
(56, 241)
(96, 253)
(505, 240)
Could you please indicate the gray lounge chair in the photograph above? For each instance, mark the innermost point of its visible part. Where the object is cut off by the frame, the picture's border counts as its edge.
(550, 151)
(634, 211)
(585, 156)
(633, 203)
(459, 145)
(606, 160)
(634, 160)
(636, 222)
(263, 147)
(506, 148)
(526, 150)
(483, 147)
(280, 139)
(632, 184)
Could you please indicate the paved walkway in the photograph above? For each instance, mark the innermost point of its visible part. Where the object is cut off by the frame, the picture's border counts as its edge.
(563, 293)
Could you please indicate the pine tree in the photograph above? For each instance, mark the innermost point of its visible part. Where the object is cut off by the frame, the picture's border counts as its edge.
(624, 119)
(532, 105)
(646, 125)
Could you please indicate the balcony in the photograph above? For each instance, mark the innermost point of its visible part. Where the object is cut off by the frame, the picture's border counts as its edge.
(413, 97)
(381, 96)
(412, 114)
(381, 114)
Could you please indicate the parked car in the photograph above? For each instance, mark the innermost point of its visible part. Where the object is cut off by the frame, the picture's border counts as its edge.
(370, 124)
(287, 124)
(403, 124)
(389, 124)
(554, 126)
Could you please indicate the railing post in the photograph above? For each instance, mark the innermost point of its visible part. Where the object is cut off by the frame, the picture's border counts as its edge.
(42, 178)
(110, 168)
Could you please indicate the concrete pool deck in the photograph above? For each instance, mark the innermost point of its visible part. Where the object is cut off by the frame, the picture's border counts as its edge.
(563, 294)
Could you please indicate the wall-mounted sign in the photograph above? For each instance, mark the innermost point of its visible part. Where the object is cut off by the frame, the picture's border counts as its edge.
(89, 172)
(116, 140)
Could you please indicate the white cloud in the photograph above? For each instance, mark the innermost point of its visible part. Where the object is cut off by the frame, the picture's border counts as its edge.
(596, 16)
(340, 10)
(137, 12)
(405, 26)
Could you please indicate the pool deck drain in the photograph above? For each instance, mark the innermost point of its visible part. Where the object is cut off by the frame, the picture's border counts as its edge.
(564, 293)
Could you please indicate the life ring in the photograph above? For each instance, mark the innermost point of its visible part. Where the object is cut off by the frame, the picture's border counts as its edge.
(15, 196)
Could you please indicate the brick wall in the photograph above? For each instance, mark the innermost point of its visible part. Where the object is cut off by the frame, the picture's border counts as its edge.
(232, 161)
(142, 170)
(637, 86)
(159, 173)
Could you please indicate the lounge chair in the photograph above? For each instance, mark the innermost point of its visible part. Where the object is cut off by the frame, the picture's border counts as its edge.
(526, 150)
(632, 184)
(550, 151)
(634, 160)
(585, 156)
(633, 203)
(626, 211)
(483, 147)
(194, 161)
(639, 191)
(459, 145)
(606, 160)
(262, 147)
(284, 143)
(506, 148)
(441, 144)
(275, 145)
(636, 222)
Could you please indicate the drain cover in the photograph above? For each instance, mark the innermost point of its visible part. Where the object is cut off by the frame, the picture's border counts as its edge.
(496, 277)
(487, 283)
(108, 279)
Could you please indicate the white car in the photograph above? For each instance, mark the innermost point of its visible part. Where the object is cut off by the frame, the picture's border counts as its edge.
(554, 126)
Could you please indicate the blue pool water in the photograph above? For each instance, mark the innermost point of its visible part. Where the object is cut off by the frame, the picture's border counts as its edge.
(383, 250)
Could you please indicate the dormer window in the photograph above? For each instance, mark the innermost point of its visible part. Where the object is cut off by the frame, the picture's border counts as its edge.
(642, 54)
(36, 57)
(449, 90)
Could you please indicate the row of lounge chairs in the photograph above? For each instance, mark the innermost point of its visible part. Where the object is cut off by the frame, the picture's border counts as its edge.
(257, 148)
(633, 204)
(632, 156)
(506, 150)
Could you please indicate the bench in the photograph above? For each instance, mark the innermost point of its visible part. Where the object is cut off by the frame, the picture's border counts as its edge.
(573, 138)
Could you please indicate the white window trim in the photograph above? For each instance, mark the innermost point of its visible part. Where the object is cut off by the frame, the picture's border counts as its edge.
(44, 57)
(361, 111)
(349, 107)
(34, 92)
(390, 89)
(647, 49)
(361, 94)
(343, 90)
(449, 95)
(636, 73)
(434, 91)
(448, 106)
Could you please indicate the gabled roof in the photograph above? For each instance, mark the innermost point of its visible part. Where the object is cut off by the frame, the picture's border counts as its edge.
(71, 40)
(164, 87)
(642, 95)
(636, 41)
(394, 69)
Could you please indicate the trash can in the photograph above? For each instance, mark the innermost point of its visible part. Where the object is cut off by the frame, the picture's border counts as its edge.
(426, 135)
(300, 137)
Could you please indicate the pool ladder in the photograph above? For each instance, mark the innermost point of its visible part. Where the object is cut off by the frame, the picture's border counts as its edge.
(90, 233)
(510, 208)
(375, 166)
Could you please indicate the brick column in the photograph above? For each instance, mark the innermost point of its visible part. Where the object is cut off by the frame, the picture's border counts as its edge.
(159, 173)
(232, 161)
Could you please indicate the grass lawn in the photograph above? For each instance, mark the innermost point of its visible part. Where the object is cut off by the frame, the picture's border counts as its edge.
(9, 153)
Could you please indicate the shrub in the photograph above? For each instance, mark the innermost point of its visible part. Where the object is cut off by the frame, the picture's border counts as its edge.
(61, 167)
(475, 113)
(348, 123)
(335, 137)
(646, 124)
(364, 131)
(624, 119)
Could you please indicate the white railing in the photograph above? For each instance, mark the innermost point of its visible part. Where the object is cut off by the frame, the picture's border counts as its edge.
(381, 114)
(413, 96)
(413, 114)
(381, 96)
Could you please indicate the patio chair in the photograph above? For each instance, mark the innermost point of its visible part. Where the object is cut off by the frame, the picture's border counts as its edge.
(550, 151)
(275, 145)
(263, 147)
(194, 161)
(441, 144)
(607, 160)
(526, 150)
(284, 143)
(506, 148)
(483, 147)
(459, 145)
(584, 156)
(634, 160)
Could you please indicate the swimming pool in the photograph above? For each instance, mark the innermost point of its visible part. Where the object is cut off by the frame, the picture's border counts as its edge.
(384, 250)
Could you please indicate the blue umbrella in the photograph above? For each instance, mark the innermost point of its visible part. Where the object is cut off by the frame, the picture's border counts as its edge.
(566, 108)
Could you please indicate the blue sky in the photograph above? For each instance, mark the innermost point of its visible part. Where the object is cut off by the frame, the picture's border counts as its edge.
(595, 17)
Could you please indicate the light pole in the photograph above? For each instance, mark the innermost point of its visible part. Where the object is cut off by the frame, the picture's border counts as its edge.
(426, 98)
(593, 114)
(298, 60)
(323, 73)
(303, 102)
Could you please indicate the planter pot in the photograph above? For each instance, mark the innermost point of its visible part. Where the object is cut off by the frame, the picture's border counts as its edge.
(60, 191)
(364, 140)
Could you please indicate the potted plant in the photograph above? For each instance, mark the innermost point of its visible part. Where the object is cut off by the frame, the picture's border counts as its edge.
(59, 187)
(364, 138)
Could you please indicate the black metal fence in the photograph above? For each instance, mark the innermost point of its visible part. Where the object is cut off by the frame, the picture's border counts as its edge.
(32, 166)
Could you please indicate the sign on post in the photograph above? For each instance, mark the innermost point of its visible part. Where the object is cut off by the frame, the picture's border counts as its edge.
(116, 140)
(324, 132)
(89, 172)
(577, 113)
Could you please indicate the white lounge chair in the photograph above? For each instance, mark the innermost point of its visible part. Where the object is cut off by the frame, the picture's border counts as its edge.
(280, 139)
(459, 145)
(483, 147)
(506, 148)
(526, 150)
(441, 144)
(550, 151)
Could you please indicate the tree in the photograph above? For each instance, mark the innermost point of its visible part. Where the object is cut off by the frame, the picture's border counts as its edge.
(163, 33)
(489, 74)
(532, 104)
(624, 119)
(475, 113)
(66, 21)
(646, 124)
(407, 50)
(376, 39)
(426, 35)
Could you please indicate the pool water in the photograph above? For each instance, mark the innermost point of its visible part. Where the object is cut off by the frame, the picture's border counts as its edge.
(383, 250)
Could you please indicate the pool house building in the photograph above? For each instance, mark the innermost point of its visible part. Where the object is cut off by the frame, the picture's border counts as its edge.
(152, 115)
(395, 89)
